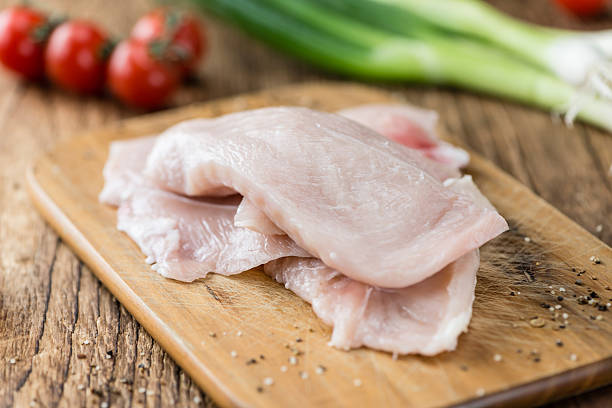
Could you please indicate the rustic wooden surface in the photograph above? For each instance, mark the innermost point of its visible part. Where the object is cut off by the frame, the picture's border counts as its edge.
(50, 302)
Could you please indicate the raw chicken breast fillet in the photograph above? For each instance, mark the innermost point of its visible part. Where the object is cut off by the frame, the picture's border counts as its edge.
(425, 318)
(184, 238)
(188, 238)
(411, 126)
(405, 124)
(123, 168)
(251, 217)
(367, 207)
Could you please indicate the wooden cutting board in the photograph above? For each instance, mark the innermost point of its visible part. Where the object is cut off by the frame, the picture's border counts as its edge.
(230, 333)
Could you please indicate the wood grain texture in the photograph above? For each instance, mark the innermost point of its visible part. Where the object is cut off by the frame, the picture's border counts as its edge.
(568, 167)
(520, 271)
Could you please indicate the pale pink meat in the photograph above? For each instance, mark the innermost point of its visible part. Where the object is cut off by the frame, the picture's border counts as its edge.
(344, 193)
(123, 168)
(188, 238)
(411, 126)
(405, 124)
(425, 318)
(184, 238)
(251, 217)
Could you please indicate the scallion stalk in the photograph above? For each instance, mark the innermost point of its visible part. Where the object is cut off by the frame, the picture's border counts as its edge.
(575, 57)
(343, 42)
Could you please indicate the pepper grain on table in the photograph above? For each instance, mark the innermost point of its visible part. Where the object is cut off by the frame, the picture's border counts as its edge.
(64, 339)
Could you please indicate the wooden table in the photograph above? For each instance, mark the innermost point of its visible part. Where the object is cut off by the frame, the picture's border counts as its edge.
(64, 339)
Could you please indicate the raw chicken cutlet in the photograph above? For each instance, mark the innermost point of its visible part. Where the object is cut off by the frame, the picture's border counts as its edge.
(367, 207)
(251, 217)
(425, 318)
(188, 239)
(184, 238)
(123, 169)
(405, 124)
(410, 126)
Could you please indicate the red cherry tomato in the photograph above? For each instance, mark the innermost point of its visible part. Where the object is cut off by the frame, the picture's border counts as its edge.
(140, 79)
(20, 49)
(151, 26)
(181, 30)
(75, 57)
(584, 8)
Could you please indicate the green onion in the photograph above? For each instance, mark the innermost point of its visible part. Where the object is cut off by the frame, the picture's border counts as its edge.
(476, 19)
(572, 56)
(404, 40)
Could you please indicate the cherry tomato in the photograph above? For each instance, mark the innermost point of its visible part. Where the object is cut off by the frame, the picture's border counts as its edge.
(21, 50)
(76, 56)
(181, 30)
(139, 78)
(584, 8)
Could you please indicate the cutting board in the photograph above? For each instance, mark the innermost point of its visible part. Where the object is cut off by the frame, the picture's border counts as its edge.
(524, 346)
